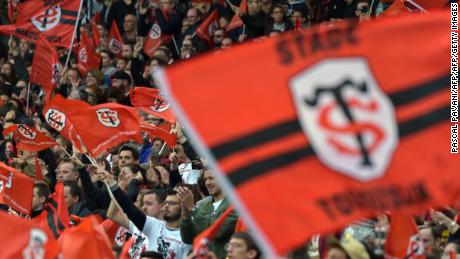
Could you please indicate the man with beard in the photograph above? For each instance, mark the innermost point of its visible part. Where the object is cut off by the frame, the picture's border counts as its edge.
(163, 235)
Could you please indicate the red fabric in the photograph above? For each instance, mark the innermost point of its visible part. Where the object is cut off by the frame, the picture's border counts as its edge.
(206, 29)
(87, 240)
(152, 102)
(55, 22)
(240, 226)
(38, 170)
(22, 238)
(234, 23)
(396, 8)
(17, 189)
(45, 67)
(115, 232)
(201, 241)
(94, 31)
(87, 57)
(28, 138)
(238, 131)
(125, 250)
(56, 114)
(114, 40)
(403, 240)
(106, 125)
(155, 39)
(431, 5)
(156, 132)
(55, 215)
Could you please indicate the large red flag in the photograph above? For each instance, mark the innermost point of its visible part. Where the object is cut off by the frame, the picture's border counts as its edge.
(56, 114)
(45, 67)
(396, 8)
(403, 240)
(55, 20)
(106, 125)
(87, 57)
(17, 189)
(155, 39)
(116, 233)
(22, 238)
(346, 130)
(28, 138)
(206, 29)
(55, 215)
(114, 41)
(87, 240)
(153, 102)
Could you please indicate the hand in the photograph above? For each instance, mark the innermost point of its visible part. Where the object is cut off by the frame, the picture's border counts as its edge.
(237, 10)
(440, 218)
(178, 131)
(139, 177)
(10, 115)
(186, 199)
(106, 176)
(77, 161)
(138, 46)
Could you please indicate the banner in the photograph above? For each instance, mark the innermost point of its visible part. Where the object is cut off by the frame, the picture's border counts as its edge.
(28, 138)
(312, 130)
(18, 189)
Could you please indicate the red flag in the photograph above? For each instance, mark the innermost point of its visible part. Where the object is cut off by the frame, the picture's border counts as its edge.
(87, 240)
(155, 39)
(114, 41)
(153, 103)
(87, 57)
(116, 233)
(300, 135)
(22, 238)
(38, 169)
(28, 138)
(125, 250)
(430, 4)
(205, 30)
(12, 10)
(201, 241)
(154, 131)
(106, 125)
(234, 23)
(17, 189)
(397, 8)
(55, 21)
(45, 67)
(403, 240)
(56, 114)
(95, 33)
(55, 215)
(240, 226)
(244, 6)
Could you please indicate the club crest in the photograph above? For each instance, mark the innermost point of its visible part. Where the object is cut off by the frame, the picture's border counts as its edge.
(108, 117)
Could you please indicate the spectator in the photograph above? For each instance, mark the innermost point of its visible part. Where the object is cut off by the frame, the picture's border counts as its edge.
(74, 199)
(41, 195)
(241, 246)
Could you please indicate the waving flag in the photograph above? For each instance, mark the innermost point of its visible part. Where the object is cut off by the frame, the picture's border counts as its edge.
(157, 132)
(56, 114)
(29, 139)
(341, 126)
(106, 125)
(114, 41)
(22, 238)
(87, 57)
(55, 215)
(206, 29)
(403, 240)
(45, 67)
(155, 39)
(17, 189)
(152, 102)
(55, 20)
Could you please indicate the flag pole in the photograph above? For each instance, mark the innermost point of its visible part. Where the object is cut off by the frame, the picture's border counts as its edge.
(417, 5)
(27, 97)
(73, 36)
(175, 46)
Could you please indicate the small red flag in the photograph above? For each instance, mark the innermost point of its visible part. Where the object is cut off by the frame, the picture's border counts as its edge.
(22, 238)
(56, 114)
(106, 125)
(155, 39)
(200, 243)
(45, 67)
(116, 233)
(28, 138)
(114, 41)
(17, 189)
(205, 30)
(234, 23)
(87, 57)
(152, 102)
(396, 8)
(403, 240)
(154, 131)
(38, 170)
(87, 240)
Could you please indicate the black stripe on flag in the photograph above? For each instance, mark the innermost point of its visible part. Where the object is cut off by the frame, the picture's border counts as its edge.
(68, 21)
(262, 167)
(69, 12)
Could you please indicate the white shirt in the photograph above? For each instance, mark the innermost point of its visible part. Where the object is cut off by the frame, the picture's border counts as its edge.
(141, 242)
(164, 240)
(188, 174)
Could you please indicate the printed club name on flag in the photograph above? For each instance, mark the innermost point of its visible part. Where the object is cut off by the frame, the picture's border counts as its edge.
(29, 138)
(17, 189)
(342, 127)
(55, 21)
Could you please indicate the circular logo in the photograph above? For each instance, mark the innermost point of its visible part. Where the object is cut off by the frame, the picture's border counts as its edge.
(82, 55)
(26, 131)
(115, 46)
(108, 117)
(48, 19)
(55, 119)
(155, 31)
